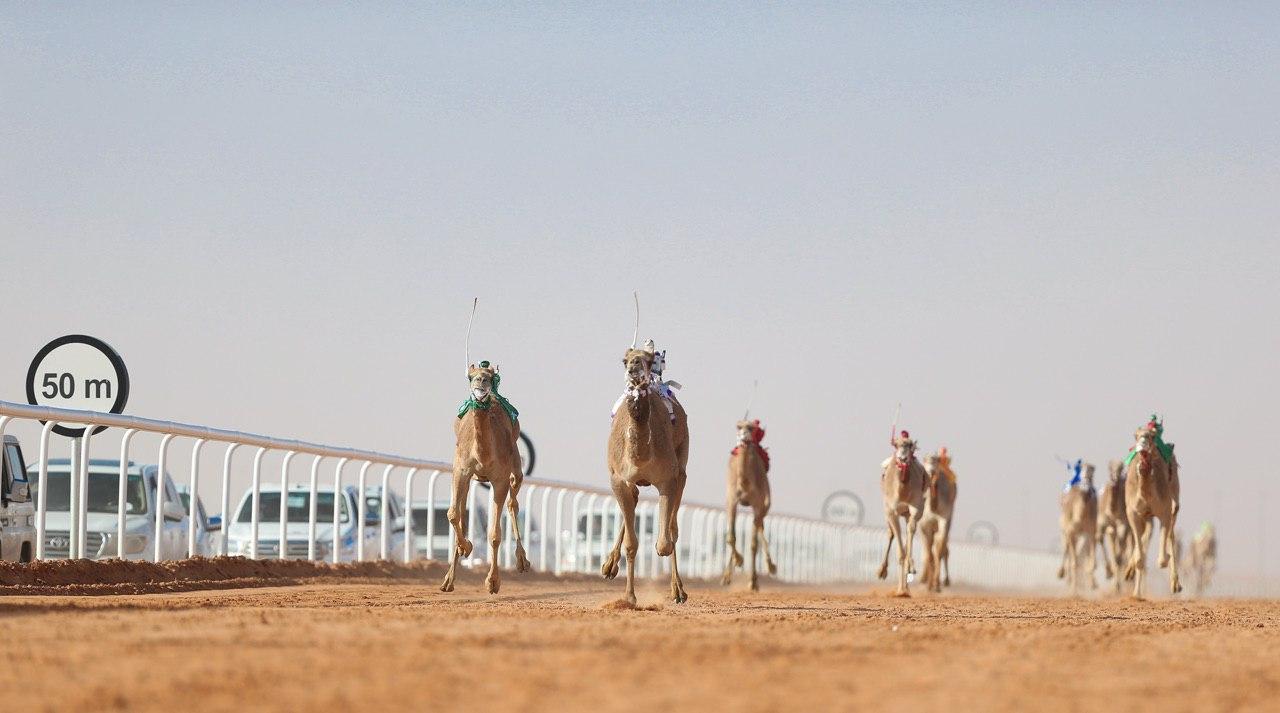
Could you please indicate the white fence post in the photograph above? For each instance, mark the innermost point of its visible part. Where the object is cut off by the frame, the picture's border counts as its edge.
(122, 497)
(225, 502)
(195, 497)
(158, 505)
(339, 497)
(313, 507)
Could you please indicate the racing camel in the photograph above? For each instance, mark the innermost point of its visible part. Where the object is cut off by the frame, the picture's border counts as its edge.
(648, 445)
(748, 483)
(486, 428)
(1079, 523)
(902, 482)
(1203, 557)
(935, 524)
(1151, 491)
(1113, 523)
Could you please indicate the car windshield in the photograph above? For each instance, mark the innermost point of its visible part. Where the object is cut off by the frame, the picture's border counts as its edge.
(299, 508)
(420, 520)
(104, 491)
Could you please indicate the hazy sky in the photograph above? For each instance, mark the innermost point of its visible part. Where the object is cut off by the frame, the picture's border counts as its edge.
(1031, 225)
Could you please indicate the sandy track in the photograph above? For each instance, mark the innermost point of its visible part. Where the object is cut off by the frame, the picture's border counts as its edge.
(382, 643)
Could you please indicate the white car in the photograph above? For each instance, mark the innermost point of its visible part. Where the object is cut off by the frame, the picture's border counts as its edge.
(240, 527)
(103, 499)
(17, 514)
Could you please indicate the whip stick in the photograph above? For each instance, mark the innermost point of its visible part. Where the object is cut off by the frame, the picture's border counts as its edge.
(636, 334)
(751, 400)
(474, 302)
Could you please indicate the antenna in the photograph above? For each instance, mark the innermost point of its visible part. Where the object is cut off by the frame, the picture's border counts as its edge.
(751, 400)
(636, 334)
(893, 430)
(474, 302)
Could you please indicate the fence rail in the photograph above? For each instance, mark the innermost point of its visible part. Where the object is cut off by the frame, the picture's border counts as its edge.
(567, 527)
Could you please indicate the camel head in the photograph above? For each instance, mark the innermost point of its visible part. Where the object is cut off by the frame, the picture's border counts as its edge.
(933, 465)
(639, 364)
(904, 448)
(483, 379)
(746, 432)
(1146, 439)
(1115, 471)
(1086, 476)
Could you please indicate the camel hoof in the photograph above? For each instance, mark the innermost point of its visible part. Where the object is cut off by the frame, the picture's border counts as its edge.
(1177, 587)
(773, 569)
(465, 548)
(737, 559)
(947, 582)
(609, 569)
(492, 583)
(902, 594)
(726, 579)
(1062, 573)
(447, 586)
(522, 563)
(680, 597)
(883, 572)
(755, 585)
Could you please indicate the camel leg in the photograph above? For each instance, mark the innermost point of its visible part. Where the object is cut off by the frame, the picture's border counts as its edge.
(913, 520)
(895, 535)
(764, 544)
(513, 511)
(890, 518)
(494, 580)
(678, 594)
(1175, 584)
(946, 554)
(458, 521)
(939, 552)
(755, 553)
(609, 568)
(927, 532)
(732, 558)
(1091, 558)
(1074, 573)
(1066, 555)
(1102, 543)
(1142, 538)
(627, 496)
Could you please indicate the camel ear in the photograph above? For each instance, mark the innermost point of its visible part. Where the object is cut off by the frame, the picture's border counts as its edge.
(495, 368)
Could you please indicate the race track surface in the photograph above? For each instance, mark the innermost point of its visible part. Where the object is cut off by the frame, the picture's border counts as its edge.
(394, 642)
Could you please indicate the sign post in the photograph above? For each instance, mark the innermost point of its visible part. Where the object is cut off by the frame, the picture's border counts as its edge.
(78, 372)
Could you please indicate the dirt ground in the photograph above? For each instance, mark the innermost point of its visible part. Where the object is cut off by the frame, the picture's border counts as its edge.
(381, 638)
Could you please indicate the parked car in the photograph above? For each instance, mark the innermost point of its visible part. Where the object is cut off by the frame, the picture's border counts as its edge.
(103, 501)
(17, 514)
(205, 546)
(373, 520)
(239, 528)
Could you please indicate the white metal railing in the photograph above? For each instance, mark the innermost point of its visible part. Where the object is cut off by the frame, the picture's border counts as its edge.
(567, 527)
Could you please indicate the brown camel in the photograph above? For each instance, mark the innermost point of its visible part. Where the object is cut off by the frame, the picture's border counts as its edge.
(935, 524)
(1113, 523)
(902, 482)
(749, 487)
(1203, 557)
(1151, 491)
(1079, 524)
(486, 429)
(648, 445)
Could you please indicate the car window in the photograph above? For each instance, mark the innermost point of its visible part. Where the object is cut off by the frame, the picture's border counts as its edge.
(16, 468)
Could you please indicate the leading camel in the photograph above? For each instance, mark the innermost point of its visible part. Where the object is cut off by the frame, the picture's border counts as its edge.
(1151, 491)
(485, 452)
(748, 486)
(902, 482)
(648, 445)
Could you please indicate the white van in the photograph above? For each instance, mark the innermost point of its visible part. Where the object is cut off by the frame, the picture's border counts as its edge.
(103, 500)
(17, 514)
